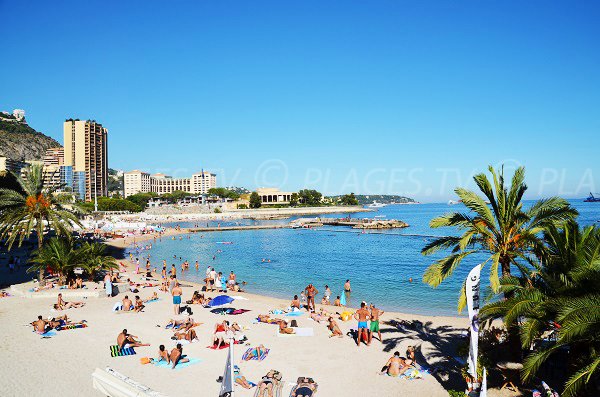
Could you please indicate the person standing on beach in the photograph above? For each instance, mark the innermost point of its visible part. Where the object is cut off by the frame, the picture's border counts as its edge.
(212, 278)
(173, 270)
(231, 279)
(374, 326)
(108, 284)
(362, 316)
(347, 291)
(218, 282)
(311, 292)
(176, 292)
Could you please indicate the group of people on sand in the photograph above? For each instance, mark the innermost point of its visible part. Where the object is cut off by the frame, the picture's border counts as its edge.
(224, 332)
(365, 331)
(217, 281)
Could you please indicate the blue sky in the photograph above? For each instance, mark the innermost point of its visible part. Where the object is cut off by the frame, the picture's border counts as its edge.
(401, 97)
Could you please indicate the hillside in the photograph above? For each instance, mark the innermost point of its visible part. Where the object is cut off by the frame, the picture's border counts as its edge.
(19, 141)
(380, 198)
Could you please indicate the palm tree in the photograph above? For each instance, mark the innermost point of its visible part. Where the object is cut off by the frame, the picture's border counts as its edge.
(33, 207)
(59, 255)
(497, 226)
(95, 259)
(559, 294)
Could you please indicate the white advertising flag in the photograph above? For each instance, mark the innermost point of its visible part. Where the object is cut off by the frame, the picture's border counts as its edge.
(472, 293)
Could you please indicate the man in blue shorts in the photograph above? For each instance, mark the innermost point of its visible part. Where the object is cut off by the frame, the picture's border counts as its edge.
(362, 316)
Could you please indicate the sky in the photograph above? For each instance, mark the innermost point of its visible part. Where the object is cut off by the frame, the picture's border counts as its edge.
(396, 97)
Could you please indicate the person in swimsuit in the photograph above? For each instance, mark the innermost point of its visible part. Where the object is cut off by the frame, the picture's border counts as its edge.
(139, 305)
(283, 328)
(221, 333)
(305, 388)
(163, 355)
(334, 328)
(362, 316)
(62, 305)
(337, 302)
(395, 366)
(124, 339)
(177, 356)
(374, 326)
(266, 384)
(295, 303)
(240, 379)
(127, 304)
(176, 292)
(189, 335)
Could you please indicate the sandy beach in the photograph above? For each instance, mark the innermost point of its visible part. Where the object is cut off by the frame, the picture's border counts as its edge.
(63, 364)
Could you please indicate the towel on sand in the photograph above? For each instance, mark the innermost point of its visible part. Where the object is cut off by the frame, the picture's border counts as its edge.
(263, 353)
(223, 346)
(298, 332)
(70, 326)
(115, 352)
(164, 364)
(47, 334)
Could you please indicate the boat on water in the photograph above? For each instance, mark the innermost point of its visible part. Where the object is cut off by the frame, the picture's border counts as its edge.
(592, 198)
(375, 204)
(453, 202)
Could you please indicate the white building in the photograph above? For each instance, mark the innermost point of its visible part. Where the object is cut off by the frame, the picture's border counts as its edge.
(141, 182)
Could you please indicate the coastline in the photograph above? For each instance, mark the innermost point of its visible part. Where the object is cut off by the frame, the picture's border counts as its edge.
(258, 213)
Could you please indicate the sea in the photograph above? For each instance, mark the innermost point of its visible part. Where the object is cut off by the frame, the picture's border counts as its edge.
(384, 267)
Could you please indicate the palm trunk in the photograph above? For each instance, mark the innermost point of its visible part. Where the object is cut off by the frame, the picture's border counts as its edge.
(514, 340)
(41, 273)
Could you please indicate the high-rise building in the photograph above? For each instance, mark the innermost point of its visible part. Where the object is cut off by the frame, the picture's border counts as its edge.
(86, 151)
(54, 156)
(141, 182)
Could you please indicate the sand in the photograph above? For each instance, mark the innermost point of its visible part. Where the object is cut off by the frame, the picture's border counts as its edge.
(63, 364)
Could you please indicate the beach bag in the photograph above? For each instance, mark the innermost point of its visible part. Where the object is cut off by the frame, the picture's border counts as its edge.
(294, 324)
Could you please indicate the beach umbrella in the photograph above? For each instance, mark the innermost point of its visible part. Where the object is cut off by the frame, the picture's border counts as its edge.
(220, 300)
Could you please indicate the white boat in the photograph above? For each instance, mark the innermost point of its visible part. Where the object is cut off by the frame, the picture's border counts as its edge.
(375, 204)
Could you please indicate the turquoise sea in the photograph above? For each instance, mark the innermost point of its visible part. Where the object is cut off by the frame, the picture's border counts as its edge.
(378, 264)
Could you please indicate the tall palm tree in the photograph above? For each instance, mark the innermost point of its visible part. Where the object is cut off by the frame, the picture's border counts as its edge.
(33, 207)
(559, 294)
(95, 258)
(503, 230)
(59, 255)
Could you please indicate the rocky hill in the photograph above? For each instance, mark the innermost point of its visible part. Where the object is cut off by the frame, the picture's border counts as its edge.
(19, 141)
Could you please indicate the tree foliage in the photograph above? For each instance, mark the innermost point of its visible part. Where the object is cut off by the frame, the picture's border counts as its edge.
(141, 199)
(255, 201)
(310, 197)
(349, 199)
(223, 193)
(502, 230)
(557, 293)
(294, 200)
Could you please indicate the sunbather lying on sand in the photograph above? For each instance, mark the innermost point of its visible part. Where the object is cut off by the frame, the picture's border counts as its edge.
(240, 379)
(283, 328)
(333, 326)
(42, 326)
(177, 356)
(189, 335)
(62, 305)
(124, 340)
(265, 318)
(395, 366)
(222, 332)
(154, 297)
(267, 383)
(182, 324)
(197, 299)
(306, 387)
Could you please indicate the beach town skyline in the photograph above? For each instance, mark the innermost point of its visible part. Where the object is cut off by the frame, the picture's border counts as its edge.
(319, 104)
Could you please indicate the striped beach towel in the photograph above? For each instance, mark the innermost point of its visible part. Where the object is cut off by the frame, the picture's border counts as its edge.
(262, 354)
(70, 326)
(115, 352)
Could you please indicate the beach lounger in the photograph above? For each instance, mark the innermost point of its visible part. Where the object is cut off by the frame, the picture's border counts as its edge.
(262, 354)
(115, 352)
(298, 332)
